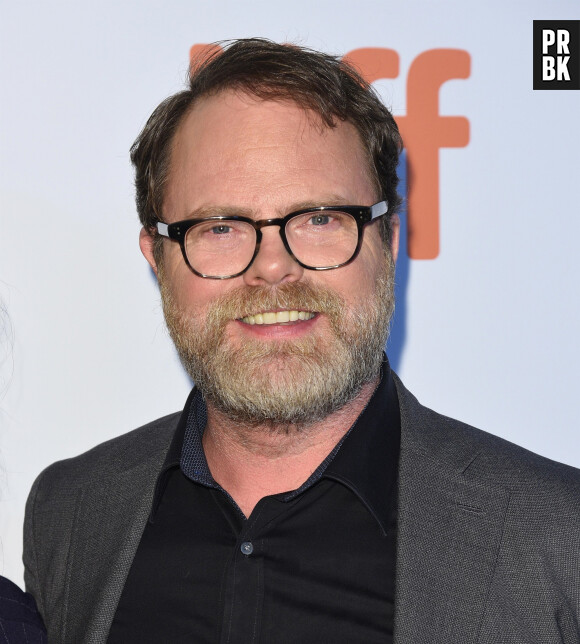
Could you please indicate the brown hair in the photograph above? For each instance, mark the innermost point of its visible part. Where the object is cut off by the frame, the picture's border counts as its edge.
(315, 81)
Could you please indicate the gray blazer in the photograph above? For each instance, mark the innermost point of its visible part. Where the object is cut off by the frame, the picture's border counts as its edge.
(488, 536)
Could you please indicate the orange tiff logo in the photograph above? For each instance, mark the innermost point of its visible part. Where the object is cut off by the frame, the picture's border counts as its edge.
(423, 129)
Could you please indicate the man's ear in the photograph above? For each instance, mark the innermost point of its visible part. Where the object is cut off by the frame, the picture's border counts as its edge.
(395, 230)
(146, 243)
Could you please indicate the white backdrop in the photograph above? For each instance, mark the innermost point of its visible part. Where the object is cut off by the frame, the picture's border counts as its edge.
(486, 332)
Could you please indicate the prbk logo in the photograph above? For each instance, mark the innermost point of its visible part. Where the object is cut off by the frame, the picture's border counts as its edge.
(556, 54)
(423, 129)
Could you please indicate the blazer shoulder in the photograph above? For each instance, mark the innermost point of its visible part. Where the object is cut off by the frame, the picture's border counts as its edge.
(479, 454)
(149, 442)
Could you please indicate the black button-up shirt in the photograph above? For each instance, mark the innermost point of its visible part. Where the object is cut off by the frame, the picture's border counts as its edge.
(316, 564)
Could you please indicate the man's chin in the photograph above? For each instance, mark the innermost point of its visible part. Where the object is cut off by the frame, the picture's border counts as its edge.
(272, 369)
(287, 383)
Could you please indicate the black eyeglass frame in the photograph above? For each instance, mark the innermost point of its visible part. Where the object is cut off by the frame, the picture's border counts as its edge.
(361, 214)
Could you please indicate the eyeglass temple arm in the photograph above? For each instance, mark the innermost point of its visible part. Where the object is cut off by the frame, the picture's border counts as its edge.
(162, 229)
(379, 209)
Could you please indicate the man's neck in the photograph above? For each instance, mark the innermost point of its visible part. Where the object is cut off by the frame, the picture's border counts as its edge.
(251, 462)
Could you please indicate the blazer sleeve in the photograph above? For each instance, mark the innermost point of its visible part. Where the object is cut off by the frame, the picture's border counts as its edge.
(48, 530)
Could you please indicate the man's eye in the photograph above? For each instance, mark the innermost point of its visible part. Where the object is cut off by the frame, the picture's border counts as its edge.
(320, 220)
(221, 229)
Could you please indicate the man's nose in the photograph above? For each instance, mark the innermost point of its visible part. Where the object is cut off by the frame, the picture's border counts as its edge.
(273, 263)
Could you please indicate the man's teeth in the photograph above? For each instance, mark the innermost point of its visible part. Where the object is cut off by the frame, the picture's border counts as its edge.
(271, 317)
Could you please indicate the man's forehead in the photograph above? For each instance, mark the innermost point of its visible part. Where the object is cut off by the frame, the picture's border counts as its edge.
(235, 121)
(231, 107)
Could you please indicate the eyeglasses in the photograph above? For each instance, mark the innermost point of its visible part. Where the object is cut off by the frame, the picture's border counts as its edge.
(319, 239)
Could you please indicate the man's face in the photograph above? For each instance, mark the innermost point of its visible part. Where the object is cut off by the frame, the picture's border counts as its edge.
(264, 159)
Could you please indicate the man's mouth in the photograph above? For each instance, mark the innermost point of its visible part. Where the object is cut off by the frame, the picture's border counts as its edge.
(278, 317)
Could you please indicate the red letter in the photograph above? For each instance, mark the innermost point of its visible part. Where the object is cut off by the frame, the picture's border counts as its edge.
(374, 63)
(424, 132)
(200, 53)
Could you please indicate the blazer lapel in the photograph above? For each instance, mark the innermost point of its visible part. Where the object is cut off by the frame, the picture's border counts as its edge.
(449, 532)
(102, 552)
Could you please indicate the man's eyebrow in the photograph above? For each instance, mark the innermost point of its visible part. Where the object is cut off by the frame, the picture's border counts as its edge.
(233, 211)
(220, 211)
(325, 200)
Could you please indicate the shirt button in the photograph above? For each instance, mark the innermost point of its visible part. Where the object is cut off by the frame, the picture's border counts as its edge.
(247, 548)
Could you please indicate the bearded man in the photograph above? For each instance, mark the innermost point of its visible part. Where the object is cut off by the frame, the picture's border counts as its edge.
(303, 494)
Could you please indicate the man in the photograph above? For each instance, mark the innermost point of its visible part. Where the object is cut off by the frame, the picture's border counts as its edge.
(303, 495)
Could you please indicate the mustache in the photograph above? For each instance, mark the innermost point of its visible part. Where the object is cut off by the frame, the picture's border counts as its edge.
(301, 296)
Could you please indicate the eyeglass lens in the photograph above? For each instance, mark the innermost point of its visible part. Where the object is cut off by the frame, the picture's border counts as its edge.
(316, 239)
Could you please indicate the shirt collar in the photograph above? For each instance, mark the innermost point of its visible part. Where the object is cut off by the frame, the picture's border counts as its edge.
(365, 460)
(173, 455)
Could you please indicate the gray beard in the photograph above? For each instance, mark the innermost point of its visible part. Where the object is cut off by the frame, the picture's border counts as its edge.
(285, 384)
